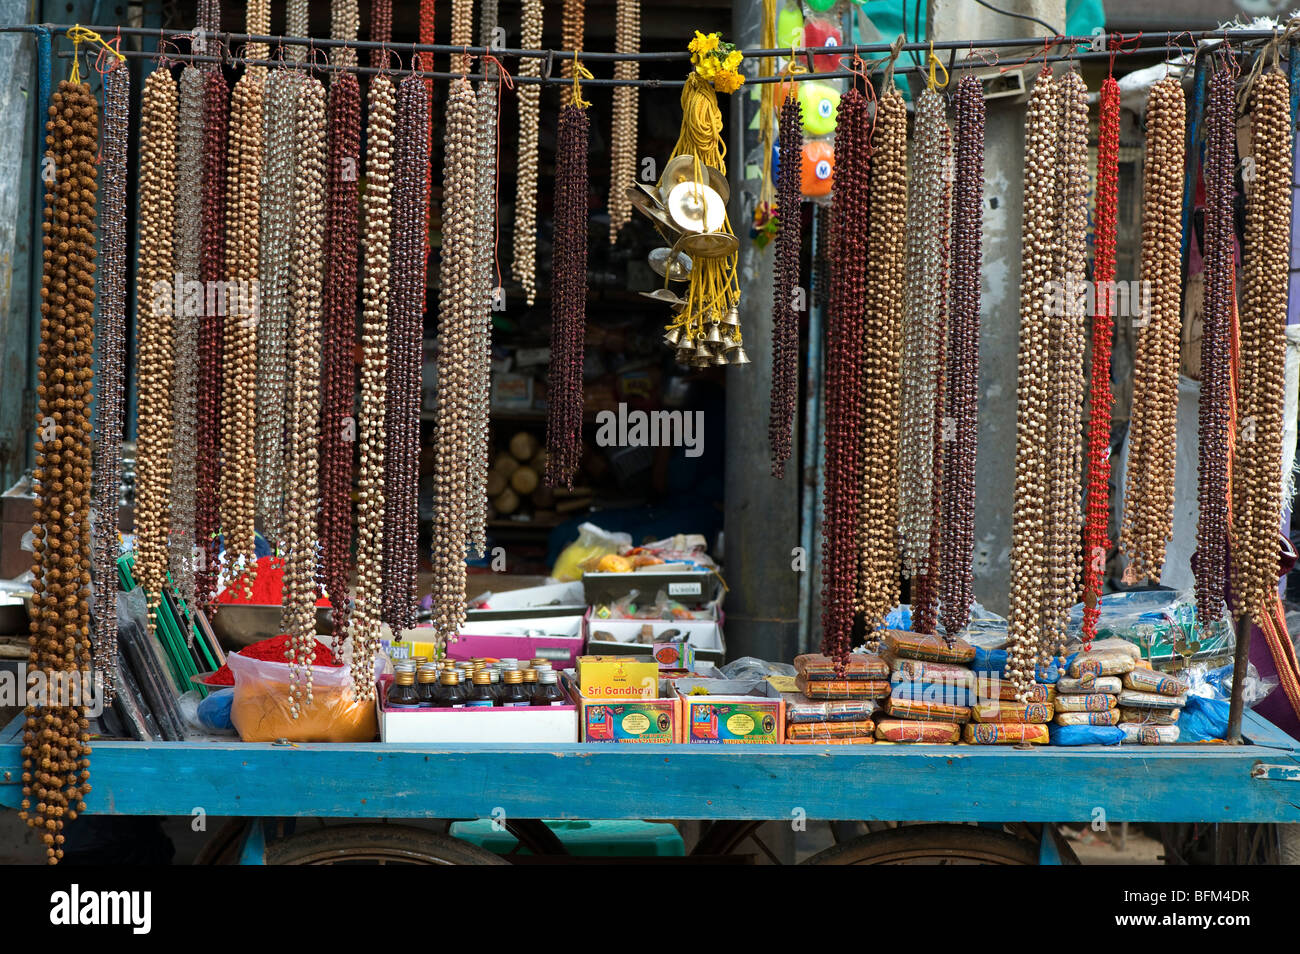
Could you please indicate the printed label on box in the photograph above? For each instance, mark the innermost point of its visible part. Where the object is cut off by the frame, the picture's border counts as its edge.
(650, 722)
(685, 589)
(716, 723)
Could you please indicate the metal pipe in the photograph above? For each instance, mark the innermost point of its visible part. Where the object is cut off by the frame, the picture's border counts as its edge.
(1241, 660)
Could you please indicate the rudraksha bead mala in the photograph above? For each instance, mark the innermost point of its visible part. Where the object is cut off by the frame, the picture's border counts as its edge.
(882, 336)
(1096, 541)
(622, 141)
(110, 386)
(458, 312)
(381, 30)
(844, 375)
(302, 477)
(364, 623)
(785, 319)
(406, 350)
(1261, 384)
(1148, 518)
(56, 750)
(1216, 334)
(572, 17)
(524, 266)
(155, 270)
(568, 300)
(961, 391)
(338, 380)
(924, 342)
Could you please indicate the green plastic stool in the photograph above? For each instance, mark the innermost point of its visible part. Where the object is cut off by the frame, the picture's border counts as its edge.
(587, 839)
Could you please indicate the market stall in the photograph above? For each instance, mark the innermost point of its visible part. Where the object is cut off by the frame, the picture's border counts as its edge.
(330, 443)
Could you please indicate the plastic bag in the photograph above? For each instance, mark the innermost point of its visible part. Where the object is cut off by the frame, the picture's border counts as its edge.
(592, 542)
(1161, 623)
(1086, 734)
(752, 667)
(1217, 684)
(260, 707)
(214, 711)
(1203, 719)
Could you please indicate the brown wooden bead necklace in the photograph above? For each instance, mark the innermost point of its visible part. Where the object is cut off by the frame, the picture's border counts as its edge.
(524, 262)
(56, 750)
(623, 131)
(1148, 518)
(785, 319)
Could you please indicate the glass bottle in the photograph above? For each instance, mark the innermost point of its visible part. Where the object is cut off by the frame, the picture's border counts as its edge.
(512, 693)
(495, 675)
(451, 694)
(530, 682)
(402, 694)
(426, 681)
(548, 692)
(480, 693)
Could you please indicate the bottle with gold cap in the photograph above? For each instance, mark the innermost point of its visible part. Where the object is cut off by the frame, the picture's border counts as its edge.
(426, 682)
(480, 692)
(451, 694)
(512, 692)
(530, 682)
(403, 694)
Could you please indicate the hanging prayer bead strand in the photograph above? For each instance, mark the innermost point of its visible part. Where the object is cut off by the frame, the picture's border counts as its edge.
(622, 146)
(457, 316)
(1149, 486)
(56, 750)
(1039, 233)
(572, 17)
(568, 300)
(925, 316)
(302, 488)
(962, 386)
(1257, 450)
(406, 353)
(338, 384)
(258, 23)
(381, 30)
(844, 375)
(1212, 484)
(212, 266)
(367, 615)
(110, 338)
(785, 320)
(296, 24)
(882, 331)
(524, 267)
(1096, 535)
(345, 21)
(155, 272)
(239, 332)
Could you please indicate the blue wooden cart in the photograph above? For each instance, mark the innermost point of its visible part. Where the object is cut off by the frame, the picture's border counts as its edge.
(734, 789)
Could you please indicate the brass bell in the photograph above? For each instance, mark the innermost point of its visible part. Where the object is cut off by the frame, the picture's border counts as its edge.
(732, 316)
(732, 343)
(673, 336)
(720, 359)
(739, 357)
(685, 354)
(714, 336)
(702, 349)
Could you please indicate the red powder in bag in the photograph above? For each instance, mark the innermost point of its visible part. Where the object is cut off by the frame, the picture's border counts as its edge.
(273, 650)
(267, 587)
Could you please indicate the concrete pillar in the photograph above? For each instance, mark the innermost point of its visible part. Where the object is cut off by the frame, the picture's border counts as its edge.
(1000, 303)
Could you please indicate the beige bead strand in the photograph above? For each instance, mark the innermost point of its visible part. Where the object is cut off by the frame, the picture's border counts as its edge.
(301, 479)
(155, 270)
(239, 384)
(524, 266)
(345, 21)
(366, 617)
(623, 139)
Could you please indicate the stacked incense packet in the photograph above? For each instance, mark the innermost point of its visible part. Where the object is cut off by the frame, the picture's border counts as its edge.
(1088, 693)
(833, 708)
(932, 688)
(1149, 706)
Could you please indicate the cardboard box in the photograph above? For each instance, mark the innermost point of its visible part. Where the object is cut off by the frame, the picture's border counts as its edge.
(704, 635)
(618, 677)
(641, 721)
(531, 602)
(733, 720)
(558, 639)
(535, 724)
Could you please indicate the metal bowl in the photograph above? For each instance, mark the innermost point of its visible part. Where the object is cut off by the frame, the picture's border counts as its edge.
(241, 624)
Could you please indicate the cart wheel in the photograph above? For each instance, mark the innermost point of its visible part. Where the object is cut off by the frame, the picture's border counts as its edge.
(376, 845)
(931, 845)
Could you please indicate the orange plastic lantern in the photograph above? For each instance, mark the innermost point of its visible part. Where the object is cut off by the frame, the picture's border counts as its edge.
(817, 168)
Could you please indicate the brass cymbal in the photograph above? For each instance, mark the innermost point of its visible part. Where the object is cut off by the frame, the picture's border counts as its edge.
(671, 264)
(649, 207)
(708, 244)
(682, 169)
(664, 295)
(695, 208)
